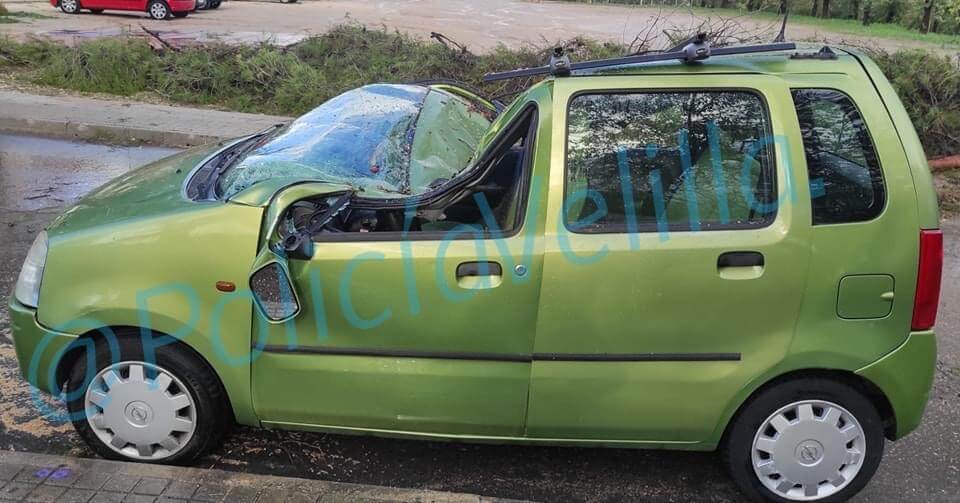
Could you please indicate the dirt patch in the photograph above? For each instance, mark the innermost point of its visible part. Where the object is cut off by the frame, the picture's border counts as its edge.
(948, 190)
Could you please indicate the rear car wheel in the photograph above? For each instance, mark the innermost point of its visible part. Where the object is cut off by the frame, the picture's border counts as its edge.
(70, 6)
(169, 410)
(810, 439)
(157, 9)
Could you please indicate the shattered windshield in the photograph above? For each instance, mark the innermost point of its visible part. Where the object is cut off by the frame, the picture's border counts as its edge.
(384, 139)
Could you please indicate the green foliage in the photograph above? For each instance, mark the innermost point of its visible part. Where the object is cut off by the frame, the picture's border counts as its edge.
(115, 66)
(929, 86)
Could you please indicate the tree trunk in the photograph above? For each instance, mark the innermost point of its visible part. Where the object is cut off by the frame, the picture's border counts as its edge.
(825, 9)
(867, 4)
(813, 12)
(753, 5)
(783, 7)
(855, 9)
(927, 16)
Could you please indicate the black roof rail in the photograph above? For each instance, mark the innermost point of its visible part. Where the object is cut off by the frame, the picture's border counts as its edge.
(696, 49)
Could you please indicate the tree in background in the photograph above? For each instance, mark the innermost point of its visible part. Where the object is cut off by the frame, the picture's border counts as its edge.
(927, 19)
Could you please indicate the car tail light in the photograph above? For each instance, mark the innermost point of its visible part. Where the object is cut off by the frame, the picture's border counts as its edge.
(928, 280)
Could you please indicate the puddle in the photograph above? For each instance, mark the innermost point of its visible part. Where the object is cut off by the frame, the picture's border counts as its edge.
(38, 173)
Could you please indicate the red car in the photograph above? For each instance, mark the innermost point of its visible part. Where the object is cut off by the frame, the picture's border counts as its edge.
(156, 9)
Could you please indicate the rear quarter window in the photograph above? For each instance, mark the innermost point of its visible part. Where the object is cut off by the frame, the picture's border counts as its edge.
(846, 181)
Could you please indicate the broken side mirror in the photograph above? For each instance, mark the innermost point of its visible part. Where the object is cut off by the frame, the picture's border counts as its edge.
(272, 287)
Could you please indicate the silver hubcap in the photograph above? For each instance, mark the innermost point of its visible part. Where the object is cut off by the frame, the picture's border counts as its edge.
(140, 410)
(158, 11)
(808, 450)
(69, 5)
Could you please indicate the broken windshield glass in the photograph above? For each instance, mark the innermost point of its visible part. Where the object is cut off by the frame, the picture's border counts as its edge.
(384, 139)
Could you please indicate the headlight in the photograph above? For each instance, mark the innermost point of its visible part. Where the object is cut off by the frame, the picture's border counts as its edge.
(28, 285)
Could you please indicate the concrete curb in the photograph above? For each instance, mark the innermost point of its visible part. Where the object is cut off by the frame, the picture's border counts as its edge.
(123, 122)
(100, 133)
(29, 476)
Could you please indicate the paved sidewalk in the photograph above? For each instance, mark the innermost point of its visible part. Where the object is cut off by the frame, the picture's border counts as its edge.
(44, 478)
(123, 122)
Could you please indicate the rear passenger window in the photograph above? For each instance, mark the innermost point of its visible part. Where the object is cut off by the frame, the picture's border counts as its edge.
(846, 183)
(678, 161)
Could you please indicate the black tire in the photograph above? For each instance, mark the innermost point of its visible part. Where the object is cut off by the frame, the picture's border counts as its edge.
(214, 4)
(158, 10)
(213, 415)
(180, 14)
(96, 11)
(71, 7)
(738, 442)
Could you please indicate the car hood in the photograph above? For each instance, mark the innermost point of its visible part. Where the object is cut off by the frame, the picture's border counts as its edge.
(152, 189)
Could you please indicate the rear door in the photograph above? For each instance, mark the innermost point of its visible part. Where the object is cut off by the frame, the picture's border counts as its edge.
(864, 223)
(675, 255)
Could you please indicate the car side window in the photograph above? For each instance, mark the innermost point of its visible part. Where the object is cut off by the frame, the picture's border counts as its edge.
(677, 160)
(846, 182)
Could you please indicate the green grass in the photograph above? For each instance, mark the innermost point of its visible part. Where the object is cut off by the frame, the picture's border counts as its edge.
(8, 17)
(835, 25)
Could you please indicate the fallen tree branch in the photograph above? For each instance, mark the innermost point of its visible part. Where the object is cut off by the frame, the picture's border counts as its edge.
(447, 41)
(154, 38)
(945, 163)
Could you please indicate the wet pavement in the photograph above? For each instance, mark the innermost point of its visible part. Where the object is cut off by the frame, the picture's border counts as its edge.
(39, 177)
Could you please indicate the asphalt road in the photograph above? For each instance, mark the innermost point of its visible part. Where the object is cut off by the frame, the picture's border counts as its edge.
(40, 177)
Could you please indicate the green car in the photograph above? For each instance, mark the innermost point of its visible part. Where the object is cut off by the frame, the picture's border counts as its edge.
(740, 253)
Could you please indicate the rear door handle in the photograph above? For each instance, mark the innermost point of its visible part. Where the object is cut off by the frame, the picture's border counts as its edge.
(740, 259)
(740, 265)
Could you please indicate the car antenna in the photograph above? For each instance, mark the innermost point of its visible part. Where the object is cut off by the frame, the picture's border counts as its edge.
(782, 36)
(695, 49)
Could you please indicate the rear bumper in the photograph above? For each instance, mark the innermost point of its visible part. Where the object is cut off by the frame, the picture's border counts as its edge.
(39, 349)
(905, 376)
(182, 5)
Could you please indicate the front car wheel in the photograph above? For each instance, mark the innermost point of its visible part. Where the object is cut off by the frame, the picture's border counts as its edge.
(805, 440)
(169, 410)
(140, 411)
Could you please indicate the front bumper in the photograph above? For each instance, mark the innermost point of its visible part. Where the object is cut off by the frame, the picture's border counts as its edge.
(905, 376)
(39, 349)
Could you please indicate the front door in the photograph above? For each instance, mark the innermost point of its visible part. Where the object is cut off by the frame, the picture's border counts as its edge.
(675, 256)
(428, 331)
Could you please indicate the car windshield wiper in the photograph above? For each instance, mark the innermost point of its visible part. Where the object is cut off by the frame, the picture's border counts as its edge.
(231, 155)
